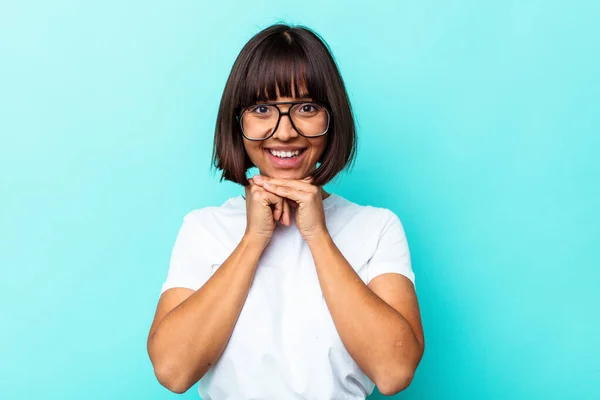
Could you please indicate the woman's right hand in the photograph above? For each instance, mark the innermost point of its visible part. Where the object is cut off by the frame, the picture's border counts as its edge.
(263, 210)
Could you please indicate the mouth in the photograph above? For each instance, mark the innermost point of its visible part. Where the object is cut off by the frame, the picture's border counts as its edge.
(286, 159)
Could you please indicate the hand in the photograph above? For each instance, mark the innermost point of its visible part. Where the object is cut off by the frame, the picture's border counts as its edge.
(263, 209)
(310, 216)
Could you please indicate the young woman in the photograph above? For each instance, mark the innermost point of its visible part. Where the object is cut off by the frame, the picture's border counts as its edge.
(287, 291)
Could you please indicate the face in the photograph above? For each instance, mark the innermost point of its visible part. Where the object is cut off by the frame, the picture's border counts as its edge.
(286, 138)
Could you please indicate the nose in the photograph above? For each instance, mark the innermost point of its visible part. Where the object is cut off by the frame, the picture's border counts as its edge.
(285, 131)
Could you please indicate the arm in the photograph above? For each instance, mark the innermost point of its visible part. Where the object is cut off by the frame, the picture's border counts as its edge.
(191, 328)
(386, 310)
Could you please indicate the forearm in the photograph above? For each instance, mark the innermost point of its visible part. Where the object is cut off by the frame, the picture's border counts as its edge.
(378, 338)
(192, 336)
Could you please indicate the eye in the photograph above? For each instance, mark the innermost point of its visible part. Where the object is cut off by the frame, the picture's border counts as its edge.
(308, 108)
(260, 109)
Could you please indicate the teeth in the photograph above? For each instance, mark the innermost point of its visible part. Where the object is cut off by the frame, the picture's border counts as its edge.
(285, 154)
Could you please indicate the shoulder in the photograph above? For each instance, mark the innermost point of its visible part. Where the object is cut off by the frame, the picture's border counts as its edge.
(372, 216)
(211, 214)
(198, 216)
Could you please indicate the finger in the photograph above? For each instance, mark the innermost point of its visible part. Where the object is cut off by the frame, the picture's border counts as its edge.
(279, 209)
(282, 206)
(278, 204)
(274, 202)
(301, 185)
(247, 188)
(287, 192)
(252, 186)
(251, 183)
(286, 213)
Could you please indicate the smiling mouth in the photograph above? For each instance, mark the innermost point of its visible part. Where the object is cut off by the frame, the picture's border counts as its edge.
(284, 155)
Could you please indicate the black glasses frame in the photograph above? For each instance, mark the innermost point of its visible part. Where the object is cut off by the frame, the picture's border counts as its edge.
(281, 113)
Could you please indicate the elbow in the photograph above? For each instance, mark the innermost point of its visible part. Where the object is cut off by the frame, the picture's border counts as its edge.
(172, 379)
(395, 379)
(168, 372)
(392, 384)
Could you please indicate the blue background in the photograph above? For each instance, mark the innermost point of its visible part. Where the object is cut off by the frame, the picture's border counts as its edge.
(479, 126)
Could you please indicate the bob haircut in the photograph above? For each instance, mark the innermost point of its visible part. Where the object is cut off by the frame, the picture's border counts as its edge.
(293, 60)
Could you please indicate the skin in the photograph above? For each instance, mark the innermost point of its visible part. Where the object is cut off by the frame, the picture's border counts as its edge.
(191, 328)
(386, 308)
(286, 135)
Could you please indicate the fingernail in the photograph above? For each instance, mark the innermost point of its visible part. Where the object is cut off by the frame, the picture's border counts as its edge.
(257, 177)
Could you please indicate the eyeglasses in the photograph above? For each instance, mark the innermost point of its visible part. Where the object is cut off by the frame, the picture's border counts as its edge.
(260, 121)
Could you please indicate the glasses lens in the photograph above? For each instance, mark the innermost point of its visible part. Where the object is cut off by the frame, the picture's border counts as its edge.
(258, 121)
(310, 119)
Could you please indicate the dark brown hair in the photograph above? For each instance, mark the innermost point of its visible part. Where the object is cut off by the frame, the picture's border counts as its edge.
(288, 58)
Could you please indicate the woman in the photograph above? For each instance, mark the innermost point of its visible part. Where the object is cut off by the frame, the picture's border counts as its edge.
(287, 291)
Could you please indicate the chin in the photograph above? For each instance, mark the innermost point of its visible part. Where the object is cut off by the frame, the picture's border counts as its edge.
(287, 175)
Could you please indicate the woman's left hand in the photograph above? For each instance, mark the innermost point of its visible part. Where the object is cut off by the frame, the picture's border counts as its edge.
(310, 217)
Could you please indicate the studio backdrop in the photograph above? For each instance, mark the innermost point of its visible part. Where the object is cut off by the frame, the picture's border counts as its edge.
(479, 126)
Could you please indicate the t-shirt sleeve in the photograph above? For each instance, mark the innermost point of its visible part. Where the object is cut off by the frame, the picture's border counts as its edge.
(392, 253)
(187, 267)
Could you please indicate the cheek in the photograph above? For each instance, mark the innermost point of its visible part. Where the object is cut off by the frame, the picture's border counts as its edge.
(253, 151)
(319, 148)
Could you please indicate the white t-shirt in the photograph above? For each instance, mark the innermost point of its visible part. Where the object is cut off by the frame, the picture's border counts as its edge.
(285, 344)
